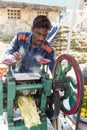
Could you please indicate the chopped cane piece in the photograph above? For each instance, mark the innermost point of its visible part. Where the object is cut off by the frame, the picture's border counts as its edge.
(28, 110)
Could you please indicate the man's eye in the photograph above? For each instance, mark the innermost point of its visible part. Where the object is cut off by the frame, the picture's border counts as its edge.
(38, 33)
(44, 35)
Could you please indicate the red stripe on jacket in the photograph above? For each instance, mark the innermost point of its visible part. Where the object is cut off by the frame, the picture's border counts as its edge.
(22, 37)
(46, 47)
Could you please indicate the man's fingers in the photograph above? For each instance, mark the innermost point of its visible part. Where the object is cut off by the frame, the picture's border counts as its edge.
(17, 56)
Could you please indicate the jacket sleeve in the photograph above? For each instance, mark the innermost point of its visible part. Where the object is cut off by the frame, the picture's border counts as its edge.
(13, 47)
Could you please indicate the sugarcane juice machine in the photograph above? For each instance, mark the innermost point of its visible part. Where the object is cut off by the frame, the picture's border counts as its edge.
(61, 92)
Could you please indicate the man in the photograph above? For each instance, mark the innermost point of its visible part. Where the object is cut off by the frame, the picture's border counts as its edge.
(27, 47)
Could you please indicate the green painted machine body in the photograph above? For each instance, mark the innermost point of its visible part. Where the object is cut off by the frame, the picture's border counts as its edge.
(44, 85)
(19, 125)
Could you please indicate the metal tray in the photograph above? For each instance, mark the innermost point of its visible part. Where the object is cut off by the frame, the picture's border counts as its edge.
(81, 118)
(26, 76)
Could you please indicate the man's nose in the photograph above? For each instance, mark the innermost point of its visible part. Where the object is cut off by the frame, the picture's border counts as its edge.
(41, 38)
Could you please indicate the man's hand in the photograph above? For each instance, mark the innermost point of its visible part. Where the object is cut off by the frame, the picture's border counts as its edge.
(12, 58)
(17, 56)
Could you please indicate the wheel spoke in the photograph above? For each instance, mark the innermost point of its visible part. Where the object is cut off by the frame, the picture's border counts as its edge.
(58, 72)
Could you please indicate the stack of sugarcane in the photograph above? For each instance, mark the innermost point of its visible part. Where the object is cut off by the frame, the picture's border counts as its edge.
(78, 46)
(29, 111)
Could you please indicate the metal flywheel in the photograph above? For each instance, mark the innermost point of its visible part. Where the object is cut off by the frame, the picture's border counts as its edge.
(68, 81)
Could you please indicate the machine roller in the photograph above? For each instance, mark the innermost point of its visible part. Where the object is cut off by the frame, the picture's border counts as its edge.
(64, 91)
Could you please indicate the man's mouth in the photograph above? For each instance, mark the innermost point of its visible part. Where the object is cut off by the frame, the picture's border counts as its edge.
(39, 41)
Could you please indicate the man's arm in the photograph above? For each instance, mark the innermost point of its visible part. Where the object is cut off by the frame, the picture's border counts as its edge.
(12, 51)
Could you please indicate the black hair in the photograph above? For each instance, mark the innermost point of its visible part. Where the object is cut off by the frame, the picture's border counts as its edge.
(41, 21)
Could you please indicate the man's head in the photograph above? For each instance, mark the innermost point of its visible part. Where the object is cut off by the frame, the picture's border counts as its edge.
(42, 21)
(40, 29)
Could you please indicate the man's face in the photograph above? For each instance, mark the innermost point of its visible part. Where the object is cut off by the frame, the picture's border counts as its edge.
(39, 35)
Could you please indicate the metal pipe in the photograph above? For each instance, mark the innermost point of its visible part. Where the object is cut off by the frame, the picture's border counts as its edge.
(27, 87)
(71, 28)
